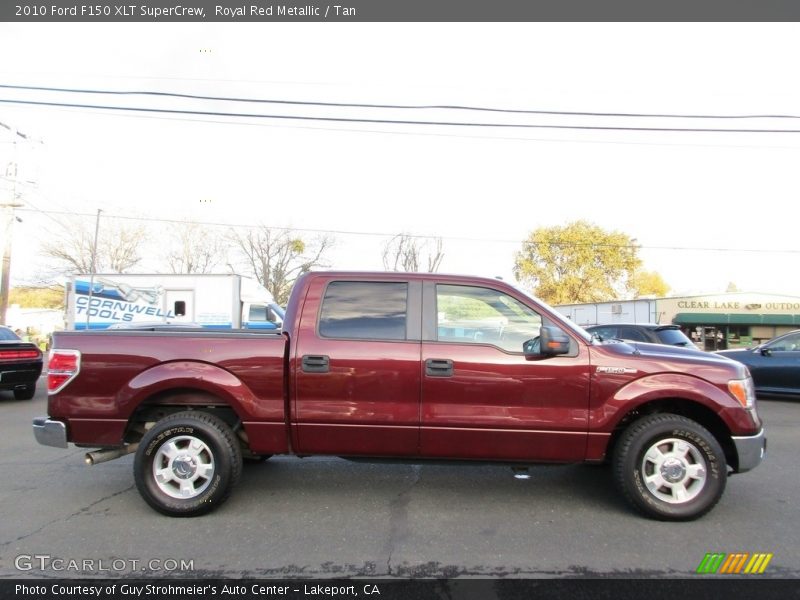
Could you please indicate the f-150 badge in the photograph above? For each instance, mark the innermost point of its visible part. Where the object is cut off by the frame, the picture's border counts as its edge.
(616, 370)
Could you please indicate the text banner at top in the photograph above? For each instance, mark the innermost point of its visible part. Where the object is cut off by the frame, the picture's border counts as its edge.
(190, 11)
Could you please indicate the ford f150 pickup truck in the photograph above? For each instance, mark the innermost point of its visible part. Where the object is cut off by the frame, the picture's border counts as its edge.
(403, 366)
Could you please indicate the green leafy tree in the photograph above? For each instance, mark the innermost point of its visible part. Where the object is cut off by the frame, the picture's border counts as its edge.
(648, 283)
(578, 262)
(37, 297)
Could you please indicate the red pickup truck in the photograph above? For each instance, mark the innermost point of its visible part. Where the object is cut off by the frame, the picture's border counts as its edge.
(412, 366)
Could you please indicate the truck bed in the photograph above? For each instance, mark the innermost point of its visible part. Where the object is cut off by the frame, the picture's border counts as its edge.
(121, 368)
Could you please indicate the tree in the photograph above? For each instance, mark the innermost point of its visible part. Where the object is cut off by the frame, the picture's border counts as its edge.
(648, 283)
(195, 249)
(579, 262)
(37, 297)
(406, 253)
(118, 246)
(277, 257)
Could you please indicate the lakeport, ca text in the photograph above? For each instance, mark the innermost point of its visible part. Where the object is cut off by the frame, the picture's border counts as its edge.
(199, 590)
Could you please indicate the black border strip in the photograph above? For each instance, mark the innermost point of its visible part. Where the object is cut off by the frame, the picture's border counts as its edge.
(732, 588)
(399, 10)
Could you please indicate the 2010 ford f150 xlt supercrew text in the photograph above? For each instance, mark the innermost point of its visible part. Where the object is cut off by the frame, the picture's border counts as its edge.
(403, 366)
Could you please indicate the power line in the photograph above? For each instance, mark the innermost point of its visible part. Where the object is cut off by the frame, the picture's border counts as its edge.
(393, 106)
(441, 134)
(396, 121)
(415, 236)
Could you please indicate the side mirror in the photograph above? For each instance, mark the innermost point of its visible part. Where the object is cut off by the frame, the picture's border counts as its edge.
(531, 347)
(551, 342)
(765, 351)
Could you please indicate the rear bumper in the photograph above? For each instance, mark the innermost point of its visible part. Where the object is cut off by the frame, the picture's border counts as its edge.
(50, 433)
(751, 450)
(14, 377)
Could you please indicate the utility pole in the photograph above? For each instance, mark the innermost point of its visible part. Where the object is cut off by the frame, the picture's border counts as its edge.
(8, 223)
(5, 276)
(94, 266)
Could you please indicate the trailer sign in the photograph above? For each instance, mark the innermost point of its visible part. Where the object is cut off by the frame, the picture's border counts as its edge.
(214, 301)
(114, 310)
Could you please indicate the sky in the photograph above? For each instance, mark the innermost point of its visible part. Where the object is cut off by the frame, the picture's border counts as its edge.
(708, 208)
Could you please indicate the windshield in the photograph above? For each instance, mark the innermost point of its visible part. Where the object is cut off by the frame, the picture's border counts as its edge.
(674, 337)
(7, 334)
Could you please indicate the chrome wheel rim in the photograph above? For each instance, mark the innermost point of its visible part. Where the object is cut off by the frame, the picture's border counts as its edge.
(674, 470)
(183, 467)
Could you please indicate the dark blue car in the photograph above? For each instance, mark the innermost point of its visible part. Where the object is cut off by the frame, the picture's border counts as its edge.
(775, 365)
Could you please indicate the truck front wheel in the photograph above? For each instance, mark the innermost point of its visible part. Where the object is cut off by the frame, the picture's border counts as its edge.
(187, 464)
(670, 467)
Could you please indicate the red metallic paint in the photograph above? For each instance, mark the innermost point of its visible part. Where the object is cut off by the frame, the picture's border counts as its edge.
(614, 396)
(376, 399)
(368, 404)
(503, 406)
(97, 432)
(121, 370)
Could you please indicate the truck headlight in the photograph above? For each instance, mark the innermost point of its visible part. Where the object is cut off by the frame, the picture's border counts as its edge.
(743, 390)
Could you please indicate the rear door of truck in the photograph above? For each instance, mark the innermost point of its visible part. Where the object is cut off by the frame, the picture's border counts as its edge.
(356, 367)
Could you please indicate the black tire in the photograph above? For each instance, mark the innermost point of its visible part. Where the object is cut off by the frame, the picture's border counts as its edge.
(200, 460)
(25, 393)
(670, 467)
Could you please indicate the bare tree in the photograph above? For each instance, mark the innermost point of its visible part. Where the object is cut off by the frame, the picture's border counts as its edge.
(118, 246)
(195, 249)
(277, 257)
(407, 253)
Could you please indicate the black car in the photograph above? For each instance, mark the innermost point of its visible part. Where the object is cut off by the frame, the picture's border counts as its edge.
(651, 333)
(20, 365)
(774, 365)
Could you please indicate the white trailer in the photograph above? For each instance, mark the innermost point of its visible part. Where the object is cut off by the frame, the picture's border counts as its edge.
(213, 301)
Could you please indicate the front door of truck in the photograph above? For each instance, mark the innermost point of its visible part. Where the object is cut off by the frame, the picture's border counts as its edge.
(482, 398)
(356, 368)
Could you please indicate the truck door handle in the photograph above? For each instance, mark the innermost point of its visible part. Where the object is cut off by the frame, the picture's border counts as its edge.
(436, 367)
(316, 364)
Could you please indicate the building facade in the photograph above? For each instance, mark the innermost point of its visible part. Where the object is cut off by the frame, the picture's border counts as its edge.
(713, 321)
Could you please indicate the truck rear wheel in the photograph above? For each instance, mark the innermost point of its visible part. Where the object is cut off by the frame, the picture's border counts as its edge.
(670, 467)
(187, 464)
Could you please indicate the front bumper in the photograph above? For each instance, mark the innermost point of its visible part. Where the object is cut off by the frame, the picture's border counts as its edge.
(751, 450)
(50, 433)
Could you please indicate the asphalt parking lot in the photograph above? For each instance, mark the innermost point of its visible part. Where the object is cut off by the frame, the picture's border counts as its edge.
(327, 517)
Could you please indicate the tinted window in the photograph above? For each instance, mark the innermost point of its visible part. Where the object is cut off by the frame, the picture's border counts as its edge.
(7, 334)
(634, 335)
(605, 333)
(674, 337)
(484, 316)
(364, 310)
(258, 312)
(786, 344)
